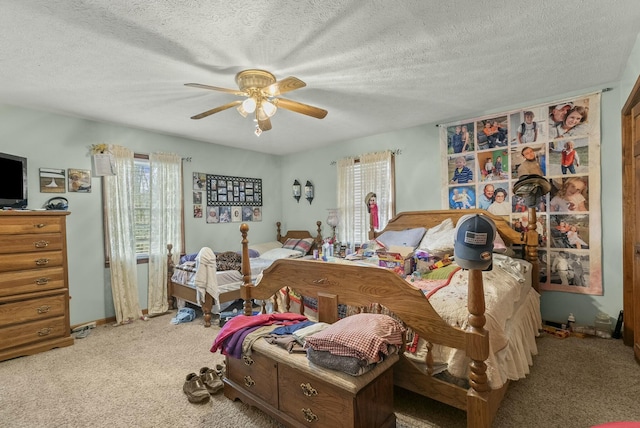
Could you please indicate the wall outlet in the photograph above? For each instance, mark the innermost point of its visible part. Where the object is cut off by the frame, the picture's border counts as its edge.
(91, 324)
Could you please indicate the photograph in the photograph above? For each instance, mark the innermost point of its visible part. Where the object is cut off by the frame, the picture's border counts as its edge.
(213, 215)
(569, 119)
(493, 132)
(52, 180)
(247, 214)
(462, 198)
(199, 181)
(494, 165)
(257, 213)
(569, 194)
(461, 169)
(225, 214)
(528, 126)
(236, 215)
(197, 197)
(460, 138)
(197, 211)
(570, 231)
(528, 159)
(79, 180)
(568, 157)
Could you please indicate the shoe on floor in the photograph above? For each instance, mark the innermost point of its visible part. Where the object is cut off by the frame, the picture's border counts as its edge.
(184, 315)
(221, 370)
(195, 389)
(211, 380)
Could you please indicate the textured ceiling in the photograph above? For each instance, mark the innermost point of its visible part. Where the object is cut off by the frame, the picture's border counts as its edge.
(376, 66)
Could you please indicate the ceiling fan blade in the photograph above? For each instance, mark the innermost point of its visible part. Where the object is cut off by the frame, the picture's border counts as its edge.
(216, 110)
(285, 85)
(265, 124)
(215, 88)
(300, 108)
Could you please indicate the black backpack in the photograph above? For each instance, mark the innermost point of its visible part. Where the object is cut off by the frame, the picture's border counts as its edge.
(535, 126)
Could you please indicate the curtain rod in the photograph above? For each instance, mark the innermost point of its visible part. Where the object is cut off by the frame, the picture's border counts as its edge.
(396, 152)
(553, 102)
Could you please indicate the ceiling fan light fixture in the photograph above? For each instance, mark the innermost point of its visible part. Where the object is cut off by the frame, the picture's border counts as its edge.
(268, 108)
(249, 105)
(258, 131)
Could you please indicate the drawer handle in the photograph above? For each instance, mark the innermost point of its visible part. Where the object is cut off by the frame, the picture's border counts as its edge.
(41, 244)
(44, 309)
(248, 381)
(309, 416)
(308, 390)
(247, 360)
(45, 331)
(39, 225)
(42, 281)
(42, 262)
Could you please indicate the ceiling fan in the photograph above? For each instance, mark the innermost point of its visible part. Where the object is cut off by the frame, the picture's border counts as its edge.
(262, 93)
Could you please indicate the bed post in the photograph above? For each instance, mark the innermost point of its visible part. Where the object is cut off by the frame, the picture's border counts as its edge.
(278, 233)
(478, 411)
(245, 291)
(531, 248)
(319, 236)
(170, 267)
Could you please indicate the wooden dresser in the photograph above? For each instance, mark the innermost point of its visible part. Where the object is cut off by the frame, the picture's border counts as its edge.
(299, 394)
(34, 290)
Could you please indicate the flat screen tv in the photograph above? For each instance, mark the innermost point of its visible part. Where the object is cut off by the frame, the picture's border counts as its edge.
(13, 184)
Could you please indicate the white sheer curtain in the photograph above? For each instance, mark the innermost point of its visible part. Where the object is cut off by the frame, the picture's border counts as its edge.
(371, 172)
(166, 210)
(122, 252)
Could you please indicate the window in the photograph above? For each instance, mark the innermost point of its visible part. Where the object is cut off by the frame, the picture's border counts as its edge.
(357, 177)
(142, 207)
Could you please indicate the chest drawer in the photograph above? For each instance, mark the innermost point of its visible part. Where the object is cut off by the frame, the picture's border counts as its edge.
(13, 262)
(257, 374)
(30, 281)
(29, 310)
(314, 402)
(15, 225)
(32, 332)
(11, 244)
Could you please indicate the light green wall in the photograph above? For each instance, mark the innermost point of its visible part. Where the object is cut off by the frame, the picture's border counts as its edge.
(50, 140)
(418, 186)
(54, 141)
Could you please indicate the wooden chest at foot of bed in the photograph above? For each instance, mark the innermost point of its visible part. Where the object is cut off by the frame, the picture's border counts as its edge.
(299, 394)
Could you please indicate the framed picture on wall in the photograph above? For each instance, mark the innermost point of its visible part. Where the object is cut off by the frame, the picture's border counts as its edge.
(52, 180)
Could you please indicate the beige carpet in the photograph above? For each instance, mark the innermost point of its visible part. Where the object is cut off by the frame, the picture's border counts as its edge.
(132, 376)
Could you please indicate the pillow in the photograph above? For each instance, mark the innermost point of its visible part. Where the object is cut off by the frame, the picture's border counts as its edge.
(252, 253)
(302, 245)
(438, 240)
(228, 260)
(280, 253)
(188, 258)
(402, 238)
(364, 336)
(263, 248)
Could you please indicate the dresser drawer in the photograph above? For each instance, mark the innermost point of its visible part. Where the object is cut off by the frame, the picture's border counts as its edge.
(11, 244)
(32, 309)
(30, 281)
(312, 401)
(33, 332)
(13, 262)
(257, 374)
(16, 225)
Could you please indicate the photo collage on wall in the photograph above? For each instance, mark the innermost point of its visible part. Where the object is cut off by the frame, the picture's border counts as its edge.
(484, 157)
(224, 199)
